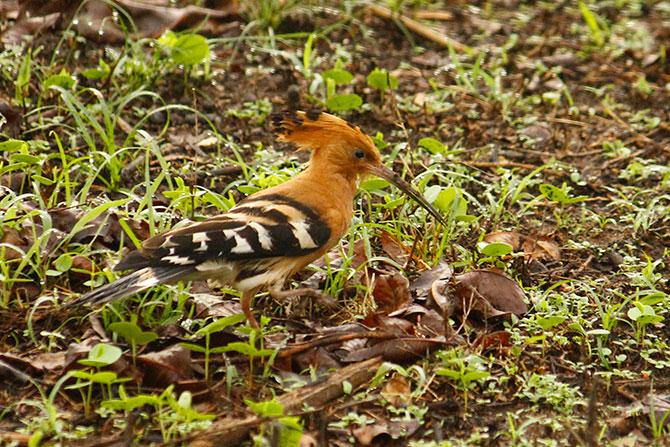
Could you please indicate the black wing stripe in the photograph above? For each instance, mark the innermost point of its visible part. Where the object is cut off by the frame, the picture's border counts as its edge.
(271, 214)
(284, 200)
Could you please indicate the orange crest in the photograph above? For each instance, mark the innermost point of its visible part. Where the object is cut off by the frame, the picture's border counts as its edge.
(314, 129)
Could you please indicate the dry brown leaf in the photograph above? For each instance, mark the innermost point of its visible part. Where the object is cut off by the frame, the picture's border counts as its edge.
(399, 350)
(12, 238)
(165, 367)
(318, 358)
(95, 20)
(541, 249)
(391, 292)
(394, 248)
(491, 293)
(499, 341)
(396, 390)
(49, 361)
(422, 285)
(389, 324)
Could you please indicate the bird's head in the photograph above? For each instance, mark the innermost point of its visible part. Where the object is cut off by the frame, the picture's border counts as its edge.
(342, 147)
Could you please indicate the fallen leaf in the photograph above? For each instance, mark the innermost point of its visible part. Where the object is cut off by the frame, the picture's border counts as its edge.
(539, 133)
(541, 249)
(396, 390)
(394, 248)
(498, 341)
(317, 358)
(48, 361)
(95, 19)
(398, 350)
(391, 292)
(12, 244)
(27, 27)
(431, 324)
(441, 295)
(422, 285)
(389, 324)
(165, 367)
(491, 293)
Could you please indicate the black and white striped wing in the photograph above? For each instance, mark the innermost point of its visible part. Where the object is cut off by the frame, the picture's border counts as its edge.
(259, 227)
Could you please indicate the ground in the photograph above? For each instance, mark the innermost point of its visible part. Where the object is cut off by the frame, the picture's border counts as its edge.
(535, 317)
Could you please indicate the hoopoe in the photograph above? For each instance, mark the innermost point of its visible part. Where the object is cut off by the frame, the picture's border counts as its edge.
(272, 234)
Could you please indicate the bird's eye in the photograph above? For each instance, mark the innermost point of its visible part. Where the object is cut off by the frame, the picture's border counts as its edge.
(359, 153)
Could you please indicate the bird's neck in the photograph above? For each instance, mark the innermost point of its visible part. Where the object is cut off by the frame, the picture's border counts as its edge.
(343, 182)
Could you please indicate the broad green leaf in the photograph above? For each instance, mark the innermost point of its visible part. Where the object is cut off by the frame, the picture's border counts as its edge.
(267, 409)
(559, 195)
(13, 146)
(342, 103)
(451, 200)
(547, 323)
(553, 193)
(432, 145)
(63, 79)
(102, 354)
(448, 373)
(102, 71)
(474, 375)
(106, 377)
(131, 403)
(374, 184)
(43, 180)
(496, 249)
(132, 333)
(95, 73)
(382, 80)
(193, 347)
(25, 158)
(220, 324)
(339, 75)
(63, 263)
(189, 49)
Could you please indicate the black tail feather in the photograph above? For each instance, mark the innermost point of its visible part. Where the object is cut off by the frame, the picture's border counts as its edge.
(135, 282)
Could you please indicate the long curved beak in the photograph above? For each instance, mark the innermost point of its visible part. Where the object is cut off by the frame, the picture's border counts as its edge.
(387, 174)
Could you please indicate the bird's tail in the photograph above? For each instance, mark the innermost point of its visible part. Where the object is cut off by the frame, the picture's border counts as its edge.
(136, 282)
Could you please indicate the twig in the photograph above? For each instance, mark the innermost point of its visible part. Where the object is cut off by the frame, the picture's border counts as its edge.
(418, 28)
(331, 339)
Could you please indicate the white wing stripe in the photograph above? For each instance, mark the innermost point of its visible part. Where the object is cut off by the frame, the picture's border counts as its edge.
(177, 260)
(300, 230)
(263, 235)
(241, 245)
(200, 237)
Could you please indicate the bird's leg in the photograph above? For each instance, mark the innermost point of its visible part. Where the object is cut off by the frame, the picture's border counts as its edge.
(320, 298)
(245, 301)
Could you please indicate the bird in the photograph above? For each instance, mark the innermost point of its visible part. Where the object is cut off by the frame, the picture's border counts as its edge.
(272, 234)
